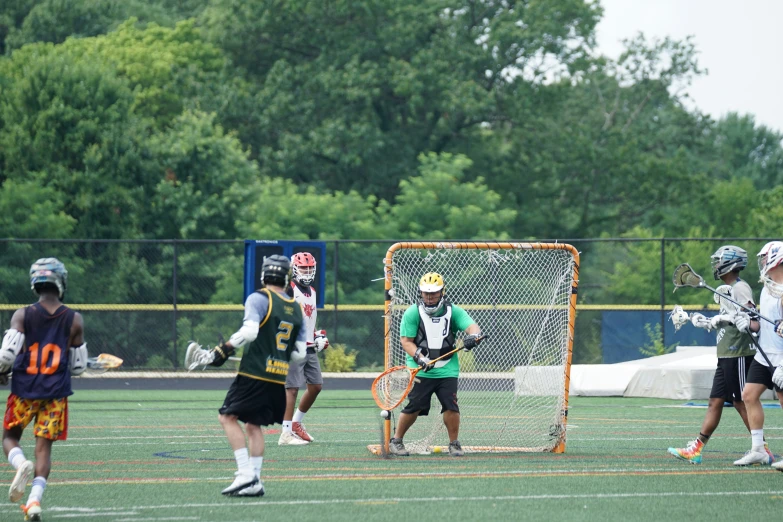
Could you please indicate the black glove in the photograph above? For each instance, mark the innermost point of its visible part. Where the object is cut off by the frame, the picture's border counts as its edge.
(471, 341)
(422, 360)
(222, 353)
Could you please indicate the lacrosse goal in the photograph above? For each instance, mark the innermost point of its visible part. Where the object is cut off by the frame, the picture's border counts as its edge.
(513, 388)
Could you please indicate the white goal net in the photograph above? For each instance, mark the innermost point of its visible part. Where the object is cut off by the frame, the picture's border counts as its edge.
(513, 388)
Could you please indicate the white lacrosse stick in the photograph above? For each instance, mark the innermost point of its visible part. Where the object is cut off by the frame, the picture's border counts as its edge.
(196, 356)
(679, 317)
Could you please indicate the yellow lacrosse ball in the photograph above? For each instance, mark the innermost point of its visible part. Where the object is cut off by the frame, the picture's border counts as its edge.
(436, 449)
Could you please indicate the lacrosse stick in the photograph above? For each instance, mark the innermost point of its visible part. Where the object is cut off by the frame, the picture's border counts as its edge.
(392, 386)
(685, 276)
(679, 317)
(196, 356)
(103, 362)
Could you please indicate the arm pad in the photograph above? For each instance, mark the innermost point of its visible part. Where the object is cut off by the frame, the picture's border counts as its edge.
(78, 359)
(246, 334)
(13, 342)
(300, 352)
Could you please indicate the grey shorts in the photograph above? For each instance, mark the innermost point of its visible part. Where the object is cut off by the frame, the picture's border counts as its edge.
(306, 372)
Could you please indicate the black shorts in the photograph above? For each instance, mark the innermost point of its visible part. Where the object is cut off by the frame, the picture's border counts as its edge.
(760, 374)
(420, 397)
(254, 401)
(730, 378)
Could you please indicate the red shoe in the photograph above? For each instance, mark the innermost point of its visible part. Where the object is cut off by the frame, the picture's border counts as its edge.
(301, 432)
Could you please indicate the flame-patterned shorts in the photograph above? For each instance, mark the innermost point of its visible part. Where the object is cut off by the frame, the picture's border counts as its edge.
(51, 416)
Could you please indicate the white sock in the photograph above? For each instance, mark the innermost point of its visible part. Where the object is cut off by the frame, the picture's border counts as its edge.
(257, 463)
(243, 461)
(36, 493)
(16, 457)
(286, 426)
(299, 415)
(757, 436)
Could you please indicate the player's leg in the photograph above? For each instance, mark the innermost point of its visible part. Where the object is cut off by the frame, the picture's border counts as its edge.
(314, 380)
(779, 464)
(43, 466)
(255, 445)
(293, 381)
(759, 379)
(17, 416)
(240, 400)
(447, 395)
(743, 365)
(419, 400)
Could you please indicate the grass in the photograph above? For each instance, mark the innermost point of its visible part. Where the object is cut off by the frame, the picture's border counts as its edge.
(162, 456)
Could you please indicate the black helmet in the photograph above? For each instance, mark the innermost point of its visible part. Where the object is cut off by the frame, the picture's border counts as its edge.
(275, 269)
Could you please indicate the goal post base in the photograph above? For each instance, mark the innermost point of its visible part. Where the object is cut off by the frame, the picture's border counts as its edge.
(375, 449)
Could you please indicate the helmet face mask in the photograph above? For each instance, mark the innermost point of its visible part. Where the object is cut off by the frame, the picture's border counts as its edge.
(303, 265)
(727, 259)
(49, 271)
(275, 270)
(431, 292)
(771, 256)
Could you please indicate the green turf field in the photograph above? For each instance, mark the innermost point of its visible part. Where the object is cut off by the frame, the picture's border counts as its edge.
(162, 456)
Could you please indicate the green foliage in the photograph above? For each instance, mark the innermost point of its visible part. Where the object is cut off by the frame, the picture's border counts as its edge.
(336, 359)
(655, 344)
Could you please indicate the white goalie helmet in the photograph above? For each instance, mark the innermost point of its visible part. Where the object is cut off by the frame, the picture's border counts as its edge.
(727, 259)
(771, 256)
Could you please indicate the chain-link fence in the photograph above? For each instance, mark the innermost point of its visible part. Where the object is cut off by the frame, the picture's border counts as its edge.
(144, 300)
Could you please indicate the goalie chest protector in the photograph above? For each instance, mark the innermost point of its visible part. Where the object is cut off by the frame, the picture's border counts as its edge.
(435, 336)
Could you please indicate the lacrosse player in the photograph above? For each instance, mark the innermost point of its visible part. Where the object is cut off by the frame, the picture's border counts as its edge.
(735, 349)
(273, 337)
(760, 375)
(42, 349)
(309, 371)
(428, 331)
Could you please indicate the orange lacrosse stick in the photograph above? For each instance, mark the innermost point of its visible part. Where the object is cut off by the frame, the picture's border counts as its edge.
(392, 386)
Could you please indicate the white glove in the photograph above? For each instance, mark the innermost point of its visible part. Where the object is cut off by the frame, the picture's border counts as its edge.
(721, 320)
(321, 341)
(742, 322)
(779, 327)
(699, 321)
(777, 377)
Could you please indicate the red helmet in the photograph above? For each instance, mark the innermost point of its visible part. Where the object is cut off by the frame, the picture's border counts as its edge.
(304, 267)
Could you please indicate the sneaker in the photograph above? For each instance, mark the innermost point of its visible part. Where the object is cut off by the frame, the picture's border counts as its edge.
(240, 482)
(23, 474)
(396, 447)
(301, 432)
(691, 453)
(256, 490)
(289, 438)
(753, 457)
(32, 511)
(778, 465)
(771, 455)
(455, 449)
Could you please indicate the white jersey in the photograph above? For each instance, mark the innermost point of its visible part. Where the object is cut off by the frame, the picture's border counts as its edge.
(772, 344)
(309, 311)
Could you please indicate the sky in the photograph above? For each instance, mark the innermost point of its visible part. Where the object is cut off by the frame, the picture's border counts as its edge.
(740, 43)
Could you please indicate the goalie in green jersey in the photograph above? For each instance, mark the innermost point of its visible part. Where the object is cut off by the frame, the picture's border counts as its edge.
(428, 330)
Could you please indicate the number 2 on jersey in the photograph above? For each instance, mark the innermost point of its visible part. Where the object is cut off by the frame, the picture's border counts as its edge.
(283, 335)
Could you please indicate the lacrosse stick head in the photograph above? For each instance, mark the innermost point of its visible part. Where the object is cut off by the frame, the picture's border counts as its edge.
(684, 275)
(726, 306)
(192, 361)
(392, 386)
(679, 317)
(103, 362)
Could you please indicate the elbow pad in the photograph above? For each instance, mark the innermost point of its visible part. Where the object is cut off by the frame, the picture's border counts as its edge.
(246, 334)
(13, 342)
(300, 352)
(78, 359)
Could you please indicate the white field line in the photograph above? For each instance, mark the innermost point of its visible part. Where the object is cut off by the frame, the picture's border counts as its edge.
(64, 511)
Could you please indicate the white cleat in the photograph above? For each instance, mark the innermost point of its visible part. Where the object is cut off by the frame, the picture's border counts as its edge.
(240, 482)
(753, 458)
(23, 474)
(256, 490)
(289, 438)
(778, 465)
